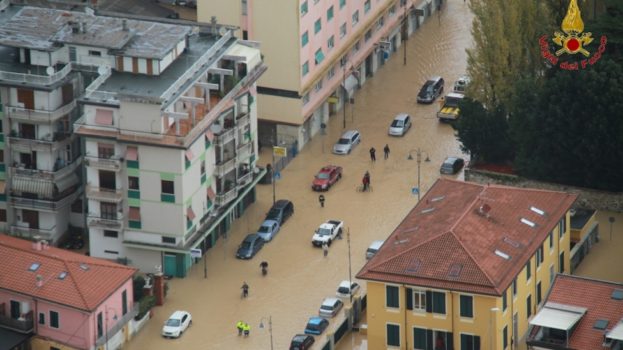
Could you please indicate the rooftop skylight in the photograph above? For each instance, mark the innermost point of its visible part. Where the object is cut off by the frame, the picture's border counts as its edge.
(538, 211)
(427, 210)
(436, 199)
(528, 222)
(600, 324)
(85, 267)
(617, 294)
(501, 254)
(62, 275)
(34, 267)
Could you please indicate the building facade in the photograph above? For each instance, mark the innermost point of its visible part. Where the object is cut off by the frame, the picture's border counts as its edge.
(62, 300)
(318, 56)
(467, 268)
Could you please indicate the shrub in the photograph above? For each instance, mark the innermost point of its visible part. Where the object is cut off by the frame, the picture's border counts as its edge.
(145, 304)
(138, 283)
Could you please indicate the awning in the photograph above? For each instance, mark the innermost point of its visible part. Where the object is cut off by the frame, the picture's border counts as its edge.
(189, 155)
(103, 116)
(10, 339)
(556, 318)
(349, 85)
(134, 214)
(66, 182)
(210, 135)
(2, 186)
(190, 213)
(211, 193)
(616, 332)
(27, 184)
(319, 56)
(131, 153)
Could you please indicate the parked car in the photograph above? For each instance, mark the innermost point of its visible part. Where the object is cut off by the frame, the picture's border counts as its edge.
(281, 211)
(268, 229)
(451, 165)
(316, 325)
(343, 289)
(330, 307)
(326, 177)
(302, 342)
(450, 110)
(327, 232)
(460, 85)
(400, 125)
(251, 244)
(177, 323)
(431, 89)
(347, 142)
(373, 248)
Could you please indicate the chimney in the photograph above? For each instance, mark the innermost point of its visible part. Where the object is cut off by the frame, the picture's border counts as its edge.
(36, 245)
(213, 23)
(124, 25)
(39, 279)
(75, 28)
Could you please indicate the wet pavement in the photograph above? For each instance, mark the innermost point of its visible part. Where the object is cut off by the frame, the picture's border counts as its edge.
(299, 276)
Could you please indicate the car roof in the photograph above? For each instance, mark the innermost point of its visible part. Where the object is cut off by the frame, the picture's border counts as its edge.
(251, 237)
(376, 244)
(268, 222)
(315, 320)
(455, 95)
(451, 159)
(328, 168)
(345, 283)
(349, 133)
(281, 203)
(301, 337)
(433, 79)
(330, 301)
(401, 116)
(178, 314)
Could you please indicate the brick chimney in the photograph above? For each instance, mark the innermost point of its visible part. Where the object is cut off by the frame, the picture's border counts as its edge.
(159, 288)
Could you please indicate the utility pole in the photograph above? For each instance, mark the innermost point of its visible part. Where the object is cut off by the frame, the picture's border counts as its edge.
(405, 31)
(345, 94)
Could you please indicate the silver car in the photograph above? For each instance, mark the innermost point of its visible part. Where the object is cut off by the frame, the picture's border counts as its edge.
(347, 142)
(400, 125)
(330, 307)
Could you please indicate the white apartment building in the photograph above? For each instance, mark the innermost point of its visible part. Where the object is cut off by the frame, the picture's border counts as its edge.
(321, 51)
(168, 129)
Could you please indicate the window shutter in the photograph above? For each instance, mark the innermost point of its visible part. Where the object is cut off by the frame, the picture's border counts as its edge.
(429, 338)
(449, 341)
(476, 343)
(409, 297)
(429, 301)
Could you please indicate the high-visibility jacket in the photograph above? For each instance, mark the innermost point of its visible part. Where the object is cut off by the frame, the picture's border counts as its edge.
(240, 325)
(246, 327)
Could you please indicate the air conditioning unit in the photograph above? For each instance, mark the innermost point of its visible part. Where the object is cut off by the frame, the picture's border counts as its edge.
(385, 45)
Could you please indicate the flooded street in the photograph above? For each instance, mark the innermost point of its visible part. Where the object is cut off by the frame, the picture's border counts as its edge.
(299, 276)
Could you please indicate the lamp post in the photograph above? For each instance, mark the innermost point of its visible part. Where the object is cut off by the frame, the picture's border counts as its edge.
(350, 274)
(405, 32)
(419, 160)
(270, 328)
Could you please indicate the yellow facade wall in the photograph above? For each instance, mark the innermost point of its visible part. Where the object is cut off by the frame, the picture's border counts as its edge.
(489, 316)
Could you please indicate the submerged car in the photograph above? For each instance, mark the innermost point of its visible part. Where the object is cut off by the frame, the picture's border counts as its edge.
(400, 125)
(451, 165)
(280, 211)
(268, 229)
(316, 325)
(177, 323)
(431, 89)
(302, 342)
(343, 290)
(250, 246)
(326, 177)
(330, 307)
(347, 142)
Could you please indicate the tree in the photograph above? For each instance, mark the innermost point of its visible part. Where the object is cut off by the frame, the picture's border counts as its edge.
(610, 23)
(483, 133)
(505, 48)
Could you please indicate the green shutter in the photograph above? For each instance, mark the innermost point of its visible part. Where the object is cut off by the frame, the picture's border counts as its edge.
(467, 308)
(419, 338)
(135, 224)
(393, 335)
(409, 298)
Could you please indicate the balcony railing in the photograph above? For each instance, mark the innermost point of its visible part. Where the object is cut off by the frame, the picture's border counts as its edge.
(106, 223)
(113, 163)
(104, 194)
(245, 179)
(18, 325)
(47, 234)
(243, 119)
(220, 169)
(225, 136)
(47, 143)
(226, 197)
(26, 78)
(46, 174)
(45, 204)
(35, 115)
(541, 337)
(121, 322)
(245, 150)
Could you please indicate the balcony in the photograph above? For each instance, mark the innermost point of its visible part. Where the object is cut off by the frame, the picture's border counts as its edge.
(245, 150)
(220, 169)
(104, 194)
(45, 204)
(245, 179)
(8, 73)
(40, 116)
(224, 136)
(25, 325)
(223, 198)
(243, 119)
(112, 164)
(46, 174)
(26, 232)
(106, 223)
(116, 327)
(47, 143)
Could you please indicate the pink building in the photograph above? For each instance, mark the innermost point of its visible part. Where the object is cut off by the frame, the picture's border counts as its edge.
(318, 52)
(55, 299)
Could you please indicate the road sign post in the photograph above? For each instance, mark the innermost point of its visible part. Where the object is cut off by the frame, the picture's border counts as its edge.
(281, 152)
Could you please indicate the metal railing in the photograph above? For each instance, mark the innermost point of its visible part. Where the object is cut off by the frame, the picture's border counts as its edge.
(47, 174)
(20, 326)
(243, 120)
(47, 143)
(27, 78)
(225, 136)
(220, 169)
(37, 115)
(31, 232)
(44, 204)
(104, 194)
(113, 163)
(245, 179)
(224, 198)
(106, 223)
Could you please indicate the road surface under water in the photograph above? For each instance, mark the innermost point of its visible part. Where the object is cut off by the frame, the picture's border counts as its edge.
(299, 276)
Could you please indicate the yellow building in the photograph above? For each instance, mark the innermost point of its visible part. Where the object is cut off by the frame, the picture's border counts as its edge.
(467, 268)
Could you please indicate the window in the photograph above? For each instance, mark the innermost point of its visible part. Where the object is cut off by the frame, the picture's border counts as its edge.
(100, 324)
(244, 8)
(305, 68)
(392, 11)
(105, 150)
(366, 6)
(562, 227)
(368, 35)
(467, 306)
(318, 57)
(528, 270)
(504, 301)
(133, 182)
(108, 211)
(167, 187)
(3, 215)
(304, 8)
(111, 252)
(342, 30)
(419, 300)
(391, 296)
(561, 261)
(439, 303)
(76, 207)
(124, 302)
(380, 23)
(317, 25)
(304, 39)
(168, 240)
(393, 335)
(41, 318)
(539, 256)
(551, 273)
(330, 14)
(331, 42)
(470, 342)
(529, 306)
(515, 287)
(331, 73)
(318, 85)
(355, 18)
(111, 234)
(54, 321)
(305, 99)
(95, 53)
(505, 337)
(419, 338)
(134, 217)
(551, 241)
(538, 293)
(342, 3)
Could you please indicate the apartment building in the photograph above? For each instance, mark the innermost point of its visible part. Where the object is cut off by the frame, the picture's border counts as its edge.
(467, 268)
(319, 53)
(158, 117)
(51, 298)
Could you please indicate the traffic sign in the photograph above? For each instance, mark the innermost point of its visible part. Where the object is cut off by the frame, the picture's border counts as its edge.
(277, 175)
(415, 190)
(195, 253)
(280, 151)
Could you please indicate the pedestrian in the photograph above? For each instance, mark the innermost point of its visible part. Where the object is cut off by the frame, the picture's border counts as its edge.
(247, 329)
(365, 182)
(373, 154)
(245, 289)
(321, 200)
(240, 326)
(386, 151)
(325, 249)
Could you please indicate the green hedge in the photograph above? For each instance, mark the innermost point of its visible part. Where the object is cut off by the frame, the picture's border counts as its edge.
(145, 304)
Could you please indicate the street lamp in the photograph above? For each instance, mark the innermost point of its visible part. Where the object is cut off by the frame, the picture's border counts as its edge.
(419, 160)
(270, 328)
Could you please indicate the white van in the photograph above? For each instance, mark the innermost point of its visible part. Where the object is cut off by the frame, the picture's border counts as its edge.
(373, 248)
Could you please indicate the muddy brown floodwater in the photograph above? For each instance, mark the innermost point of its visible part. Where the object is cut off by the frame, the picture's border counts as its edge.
(299, 276)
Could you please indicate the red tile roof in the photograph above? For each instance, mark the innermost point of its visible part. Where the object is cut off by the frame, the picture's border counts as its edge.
(594, 295)
(89, 281)
(445, 242)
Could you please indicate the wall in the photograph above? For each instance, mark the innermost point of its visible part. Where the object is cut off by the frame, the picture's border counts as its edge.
(75, 327)
(139, 117)
(280, 109)
(587, 198)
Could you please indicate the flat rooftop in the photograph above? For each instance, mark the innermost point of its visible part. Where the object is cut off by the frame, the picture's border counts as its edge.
(46, 29)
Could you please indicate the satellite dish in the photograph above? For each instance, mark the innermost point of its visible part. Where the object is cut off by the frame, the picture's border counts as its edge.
(50, 71)
(101, 70)
(222, 31)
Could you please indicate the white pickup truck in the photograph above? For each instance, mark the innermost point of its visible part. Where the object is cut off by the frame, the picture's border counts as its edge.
(327, 232)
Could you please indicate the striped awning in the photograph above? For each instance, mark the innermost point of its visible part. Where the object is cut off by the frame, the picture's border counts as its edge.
(66, 182)
(43, 188)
